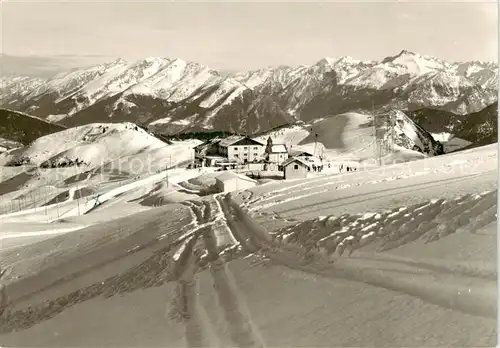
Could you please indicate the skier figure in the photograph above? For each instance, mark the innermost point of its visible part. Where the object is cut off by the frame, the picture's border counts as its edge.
(96, 203)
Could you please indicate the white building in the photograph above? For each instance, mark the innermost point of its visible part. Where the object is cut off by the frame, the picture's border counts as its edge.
(296, 168)
(230, 181)
(307, 156)
(275, 153)
(241, 148)
(278, 154)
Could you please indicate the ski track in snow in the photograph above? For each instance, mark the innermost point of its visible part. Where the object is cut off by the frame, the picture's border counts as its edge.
(311, 186)
(207, 217)
(326, 246)
(427, 221)
(311, 191)
(392, 231)
(315, 246)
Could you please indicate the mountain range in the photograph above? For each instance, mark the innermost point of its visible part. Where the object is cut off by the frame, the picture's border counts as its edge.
(171, 95)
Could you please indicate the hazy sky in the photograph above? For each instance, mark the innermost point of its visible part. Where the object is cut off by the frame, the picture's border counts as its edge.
(39, 37)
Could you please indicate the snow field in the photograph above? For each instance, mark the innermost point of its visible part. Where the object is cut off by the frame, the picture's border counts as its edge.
(425, 222)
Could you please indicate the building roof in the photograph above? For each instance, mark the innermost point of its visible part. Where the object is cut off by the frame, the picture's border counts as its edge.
(228, 175)
(300, 152)
(230, 140)
(279, 148)
(295, 159)
(207, 144)
(233, 139)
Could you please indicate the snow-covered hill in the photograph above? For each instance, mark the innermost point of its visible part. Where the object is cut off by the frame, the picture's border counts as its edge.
(174, 95)
(412, 245)
(90, 145)
(352, 136)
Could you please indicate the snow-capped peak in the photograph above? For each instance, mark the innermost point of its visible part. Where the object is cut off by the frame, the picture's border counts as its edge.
(416, 63)
(326, 61)
(122, 88)
(346, 60)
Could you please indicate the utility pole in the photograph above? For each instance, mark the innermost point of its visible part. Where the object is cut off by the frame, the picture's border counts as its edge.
(77, 199)
(168, 168)
(33, 199)
(315, 144)
(375, 135)
(248, 149)
(45, 200)
(393, 132)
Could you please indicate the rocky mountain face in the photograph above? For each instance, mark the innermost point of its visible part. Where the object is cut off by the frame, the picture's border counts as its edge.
(171, 95)
(410, 135)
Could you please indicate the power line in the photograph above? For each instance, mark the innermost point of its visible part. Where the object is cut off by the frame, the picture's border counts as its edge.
(378, 157)
(393, 131)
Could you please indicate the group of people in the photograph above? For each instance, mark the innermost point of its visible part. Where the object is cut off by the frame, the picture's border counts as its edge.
(317, 168)
(348, 168)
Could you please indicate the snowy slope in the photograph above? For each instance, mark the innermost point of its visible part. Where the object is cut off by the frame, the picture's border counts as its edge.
(93, 144)
(351, 135)
(484, 74)
(397, 71)
(412, 244)
(16, 89)
(6, 145)
(64, 84)
(117, 79)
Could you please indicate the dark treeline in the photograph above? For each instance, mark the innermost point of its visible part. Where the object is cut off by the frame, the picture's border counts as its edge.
(203, 136)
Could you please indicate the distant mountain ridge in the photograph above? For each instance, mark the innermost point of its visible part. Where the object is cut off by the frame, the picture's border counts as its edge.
(170, 95)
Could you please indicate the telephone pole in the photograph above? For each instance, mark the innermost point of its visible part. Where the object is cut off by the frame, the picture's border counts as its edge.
(45, 200)
(33, 198)
(248, 149)
(393, 131)
(376, 137)
(168, 168)
(315, 144)
(77, 199)
(166, 176)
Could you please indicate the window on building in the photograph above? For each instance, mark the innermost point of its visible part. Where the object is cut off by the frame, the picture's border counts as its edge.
(255, 148)
(236, 155)
(255, 154)
(244, 147)
(245, 154)
(296, 166)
